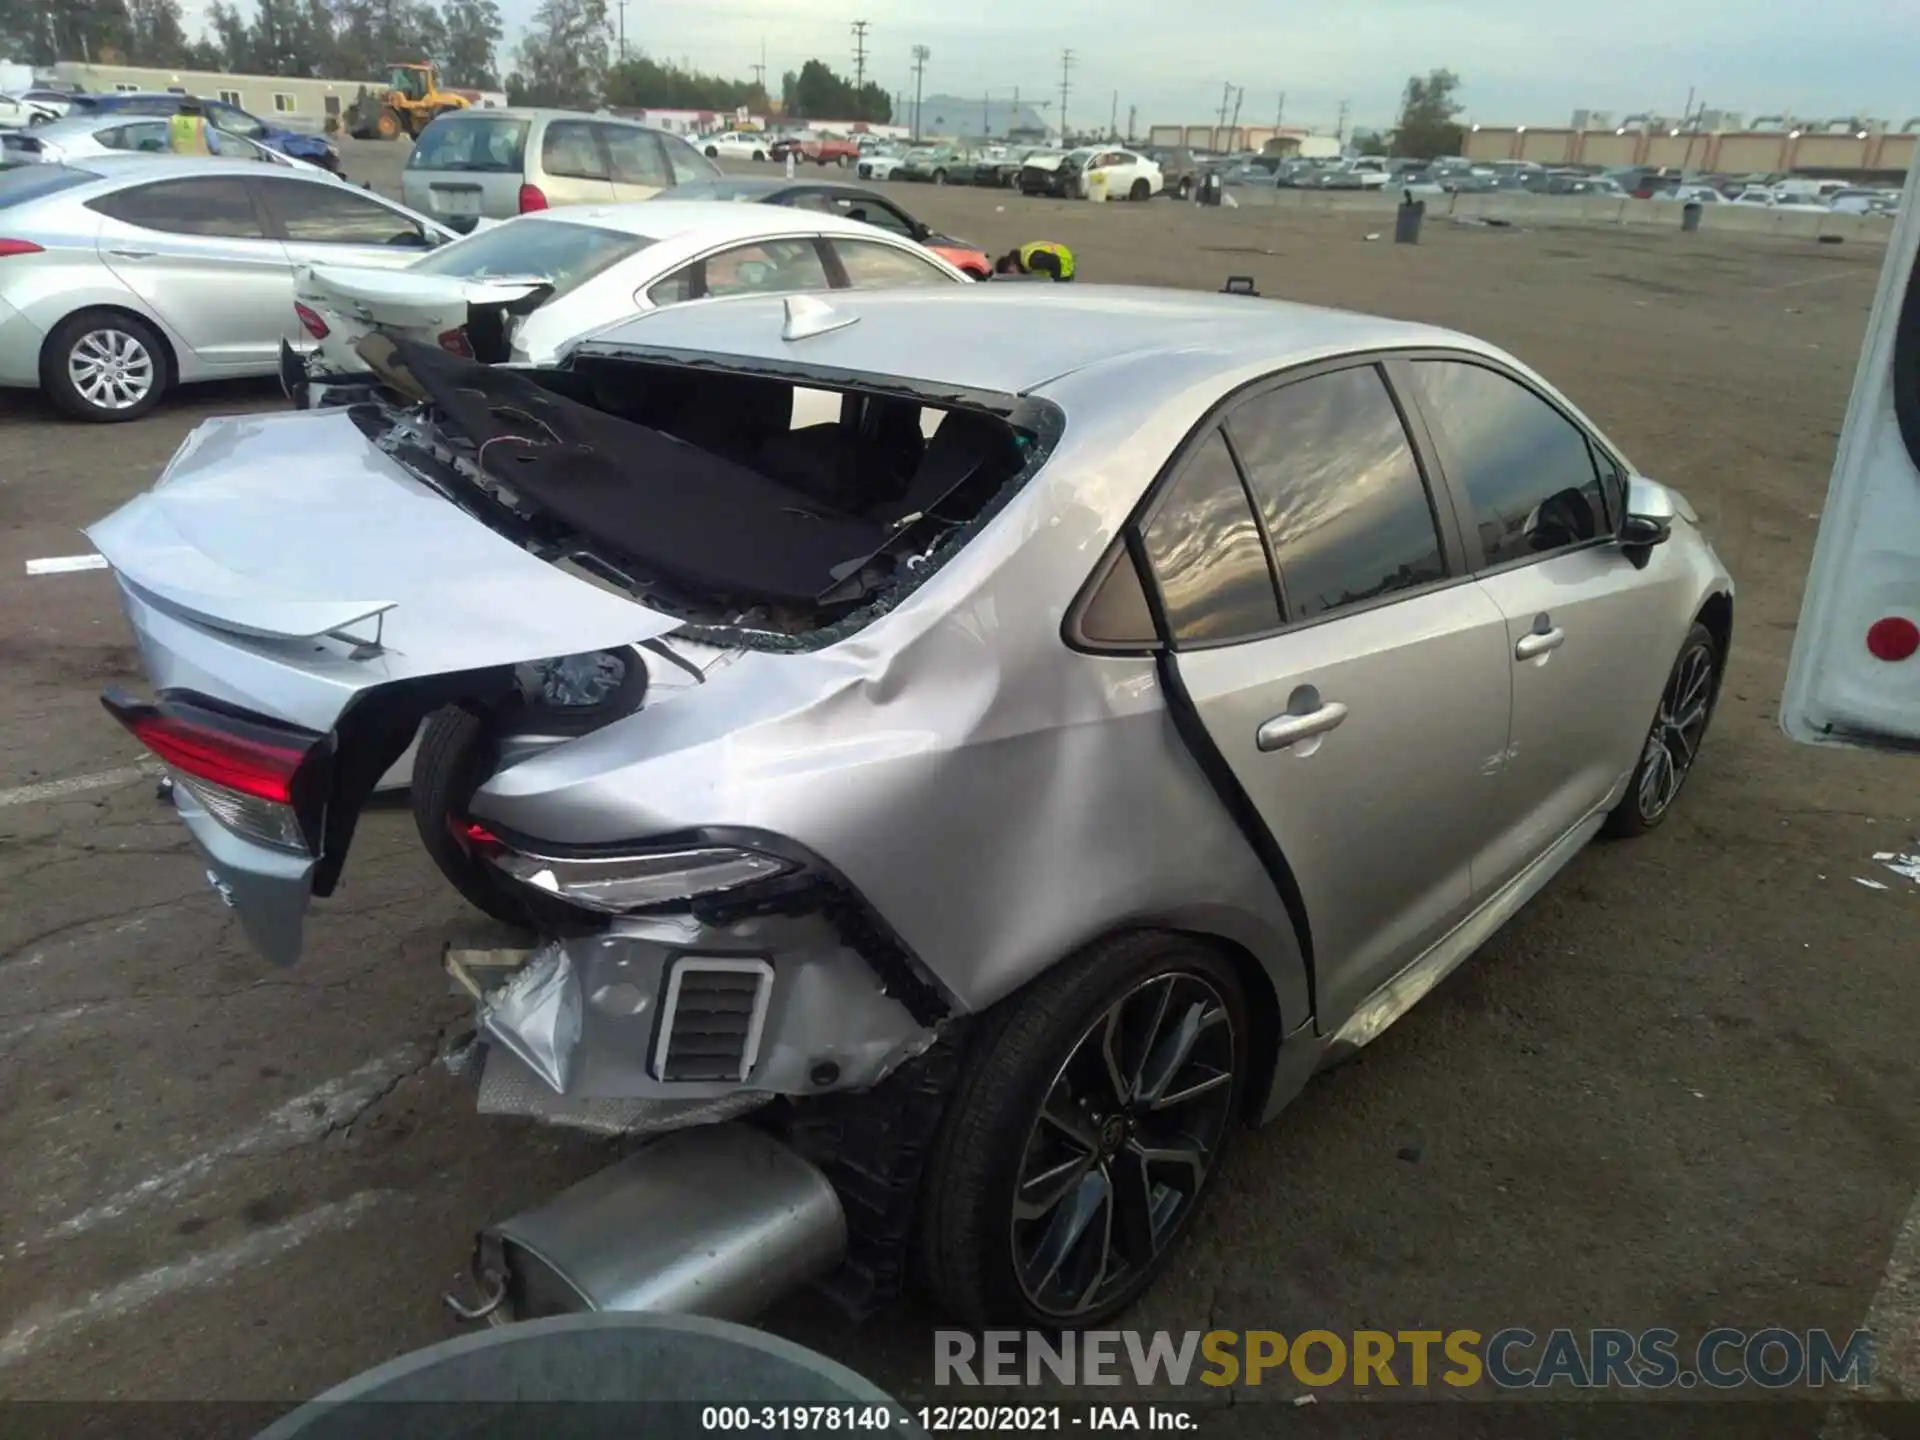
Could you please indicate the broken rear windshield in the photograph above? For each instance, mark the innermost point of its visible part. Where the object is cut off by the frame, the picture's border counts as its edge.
(566, 254)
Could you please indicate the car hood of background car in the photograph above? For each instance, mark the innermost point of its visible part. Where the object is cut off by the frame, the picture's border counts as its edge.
(1042, 162)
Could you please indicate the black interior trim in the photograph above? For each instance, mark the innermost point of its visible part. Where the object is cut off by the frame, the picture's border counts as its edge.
(1906, 368)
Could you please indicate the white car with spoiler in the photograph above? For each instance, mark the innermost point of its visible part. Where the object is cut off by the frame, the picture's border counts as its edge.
(1854, 678)
(520, 291)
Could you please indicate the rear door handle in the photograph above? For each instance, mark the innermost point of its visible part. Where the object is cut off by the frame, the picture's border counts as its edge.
(1284, 730)
(1539, 643)
(131, 254)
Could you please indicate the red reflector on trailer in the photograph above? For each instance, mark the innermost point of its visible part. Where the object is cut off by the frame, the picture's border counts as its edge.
(1894, 638)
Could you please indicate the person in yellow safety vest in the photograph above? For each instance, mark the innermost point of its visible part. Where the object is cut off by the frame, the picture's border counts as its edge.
(188, 130)
(1042, 257)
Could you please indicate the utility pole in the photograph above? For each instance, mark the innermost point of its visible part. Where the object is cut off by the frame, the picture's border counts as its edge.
(1066, 87)
(1132, 110)
(1233, 134)
(1340, 125)
(623, 27)
(1226, 99)
(1113, 120)
(1280, 111)
(920, 57)
(859, 54)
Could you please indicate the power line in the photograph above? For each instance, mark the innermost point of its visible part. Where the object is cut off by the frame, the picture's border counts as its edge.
(859, 54)
(1066, 88)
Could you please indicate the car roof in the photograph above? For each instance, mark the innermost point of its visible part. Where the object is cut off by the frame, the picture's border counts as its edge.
(1013, 339)
(713, 219)
(537, 112)
(133, 165)
(737, 187)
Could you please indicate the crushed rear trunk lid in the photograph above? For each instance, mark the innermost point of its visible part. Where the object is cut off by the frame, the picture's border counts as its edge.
(287, 564)
(352, 300)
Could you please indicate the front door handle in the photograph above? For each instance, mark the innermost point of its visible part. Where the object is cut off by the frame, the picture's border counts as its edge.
(1539, 643)
(1288, 729)
(131, 254)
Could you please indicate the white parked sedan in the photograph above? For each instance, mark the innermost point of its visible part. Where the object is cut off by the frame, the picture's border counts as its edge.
(734, 145)
(122, 275)
(522, 291)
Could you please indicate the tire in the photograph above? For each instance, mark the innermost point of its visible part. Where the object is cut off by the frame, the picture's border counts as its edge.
(1038, 1047)
(759, 156)
(713, 152)
(841, 161)
(85, 353)
(455, 755)
(939, 177)
(1673, 741)
(1140, 191)
(388, 126)
(1186, 189)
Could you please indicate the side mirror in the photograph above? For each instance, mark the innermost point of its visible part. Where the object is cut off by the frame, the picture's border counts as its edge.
(1649, 518)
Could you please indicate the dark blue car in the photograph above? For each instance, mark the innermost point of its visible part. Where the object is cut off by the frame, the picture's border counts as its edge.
(221, 116)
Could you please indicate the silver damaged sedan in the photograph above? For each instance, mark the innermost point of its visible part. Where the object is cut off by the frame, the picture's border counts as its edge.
(941, 827)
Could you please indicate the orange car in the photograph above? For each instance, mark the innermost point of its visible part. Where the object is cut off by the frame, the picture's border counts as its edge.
(856, 202)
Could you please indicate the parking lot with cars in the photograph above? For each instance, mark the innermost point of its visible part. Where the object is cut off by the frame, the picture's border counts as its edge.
(1676, 1089)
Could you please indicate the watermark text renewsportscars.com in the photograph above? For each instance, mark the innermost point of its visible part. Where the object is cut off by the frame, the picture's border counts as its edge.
(1771, 1358)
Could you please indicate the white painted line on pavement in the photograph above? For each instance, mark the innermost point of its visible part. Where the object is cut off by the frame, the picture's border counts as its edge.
(50, 1326)
(77, 784)
(62, 564)
(303, 1118)
(1894, 1315)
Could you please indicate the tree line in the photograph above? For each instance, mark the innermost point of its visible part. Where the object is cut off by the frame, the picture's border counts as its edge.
(564, 59)
(345, 39)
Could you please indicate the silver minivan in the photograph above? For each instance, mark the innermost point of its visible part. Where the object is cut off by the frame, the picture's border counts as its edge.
(495, 164)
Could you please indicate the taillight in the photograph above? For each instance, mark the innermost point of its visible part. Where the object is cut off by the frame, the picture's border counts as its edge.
(1894, 638)
(311, 322)
(455, 342)
(19, 247)
(263, 781)
(531, 198)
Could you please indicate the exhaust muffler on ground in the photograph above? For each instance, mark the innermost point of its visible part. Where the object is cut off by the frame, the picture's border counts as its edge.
(718, 1220)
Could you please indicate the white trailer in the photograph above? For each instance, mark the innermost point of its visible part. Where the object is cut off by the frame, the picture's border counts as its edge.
(1854, 678)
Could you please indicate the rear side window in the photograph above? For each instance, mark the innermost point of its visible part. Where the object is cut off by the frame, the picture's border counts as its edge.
(566, 254)
(871, 265)
(147, 135)
(1207, 558)
(569, 149)
(1333, 474)
(635, 156)
(201, 206)
(31, 182)
(326, 213)
(484, 144)
(1527, 470)
(768, 267)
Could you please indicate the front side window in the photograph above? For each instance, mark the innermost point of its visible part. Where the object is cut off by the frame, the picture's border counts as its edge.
(872, 212)
(686, 163)
(635, 157)
(1527, 470)
(570, 150)
(235, 122)
(323, 213)
(768, 267)
(871, 265)
(202, 206)
(1338, 488)
(151, 136)
(1204, 546)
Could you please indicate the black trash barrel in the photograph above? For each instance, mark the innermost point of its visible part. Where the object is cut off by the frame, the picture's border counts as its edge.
(1406, 224)
(1210, 189)
(663, 1377)
(1690, 216)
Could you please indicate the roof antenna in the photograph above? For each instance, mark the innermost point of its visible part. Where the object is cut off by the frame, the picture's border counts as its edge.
(808, 316)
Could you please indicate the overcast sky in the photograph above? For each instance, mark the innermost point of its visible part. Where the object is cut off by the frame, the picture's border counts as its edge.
(1520, 61)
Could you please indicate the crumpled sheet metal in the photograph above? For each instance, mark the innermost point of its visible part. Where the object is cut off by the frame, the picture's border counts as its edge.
(509, 1087)
(537, 1015)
